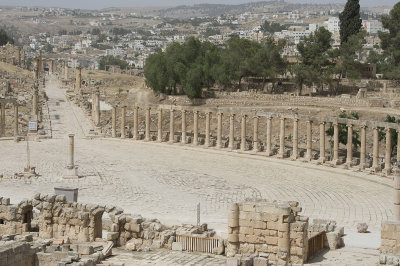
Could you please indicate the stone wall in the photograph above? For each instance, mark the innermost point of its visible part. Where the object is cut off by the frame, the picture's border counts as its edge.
(61, 219)
(16, 254)
(14, 219)
(390, 243)
(268, 227)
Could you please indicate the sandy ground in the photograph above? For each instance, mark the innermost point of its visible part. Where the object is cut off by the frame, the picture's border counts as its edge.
(167, 181)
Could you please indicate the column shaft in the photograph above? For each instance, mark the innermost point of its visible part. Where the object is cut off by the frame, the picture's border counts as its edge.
(114, 122)
(322, 142)
(123, 115)
(71, 163)
(208, 118)
(136, 123)
(171, 126)
(159, 125)
(243, 134)
(147, 133)
(388, 151)
(183, 140)
(295, 138)
(363, 146)
(231, 131)
(375, 161)
(195, 127)
(16, 120)
(219, 131)
(269, 137)
(255, 134)
(282, 139)
(349, 158)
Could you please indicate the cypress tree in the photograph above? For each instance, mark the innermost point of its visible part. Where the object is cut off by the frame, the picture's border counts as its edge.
(350, 20)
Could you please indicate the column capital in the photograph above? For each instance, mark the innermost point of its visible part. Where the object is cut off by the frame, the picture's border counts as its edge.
(350, 125)
(309, 121)
(183, 110)
(232, 115)
(364, 126)
(195, 111)
(243, 115)
(322, 122)
(388, 129)
(295, 119)
(269, 117)
(148, 108)
(282, 118)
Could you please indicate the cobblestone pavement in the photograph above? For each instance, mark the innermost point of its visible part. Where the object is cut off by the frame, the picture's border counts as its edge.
(167, 181)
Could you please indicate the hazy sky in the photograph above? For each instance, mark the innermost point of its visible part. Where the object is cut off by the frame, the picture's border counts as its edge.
(98, 4)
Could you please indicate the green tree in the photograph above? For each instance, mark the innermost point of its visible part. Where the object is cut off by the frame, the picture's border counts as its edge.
(350, 20)
(390, 43)
(155, 72)
(343, 131)
(4, 38)
(313, 68)
(273, 27)
(111, 60)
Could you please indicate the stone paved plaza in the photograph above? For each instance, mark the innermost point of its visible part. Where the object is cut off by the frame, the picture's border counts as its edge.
(167, 181)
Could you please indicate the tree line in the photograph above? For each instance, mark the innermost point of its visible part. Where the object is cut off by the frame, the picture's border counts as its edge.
(194, 65)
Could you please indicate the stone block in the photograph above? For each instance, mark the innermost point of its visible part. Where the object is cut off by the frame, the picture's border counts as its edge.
(111, 236)
(234, 238)
(232, 262)
(260, 261)
(260, 225)
(270, 240)
(177, 246)
(333, 240)
(131, 246)
(246, 261)
(85, 249)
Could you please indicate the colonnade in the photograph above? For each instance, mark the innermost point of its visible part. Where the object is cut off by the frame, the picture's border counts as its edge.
(3, 103)
(254, 136)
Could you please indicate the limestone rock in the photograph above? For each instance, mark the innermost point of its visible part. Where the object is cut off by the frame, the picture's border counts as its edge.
(362, 227)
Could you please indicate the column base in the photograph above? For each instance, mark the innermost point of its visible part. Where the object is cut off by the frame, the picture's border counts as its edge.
(387, 172)
(334, 162)
(268, 153)
(362, 166)
(294, 157)
(71, 173)
(374, 169)
(321, 160)
(281, 156)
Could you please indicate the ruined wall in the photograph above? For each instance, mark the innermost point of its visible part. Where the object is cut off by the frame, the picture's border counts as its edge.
(17, 254)
(390, 243)
(268, 227)
(61, 219)
(15, 219)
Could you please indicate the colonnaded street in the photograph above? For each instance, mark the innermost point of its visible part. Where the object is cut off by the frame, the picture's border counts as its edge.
(167, 181)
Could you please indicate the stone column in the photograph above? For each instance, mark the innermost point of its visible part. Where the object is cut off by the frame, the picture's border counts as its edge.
(114, 122)
(96, 109)
(388, 151)
(233, 243)
(171, 126)
(375, 162)
(268, 149)
(195, 127)
(231, 131)
(295, 153)
(16, 120)
(396, 190)
(349, 145)
(78, 79)
(123, 114)
(159, 125)
(183, 140)
(147, 133)
(65, 70)
(71, 164)
(219, 130)
(363, 150)
(309, 140)
(35, 97)
(335, 160)
(281, 153)
(3, 120)
(398, 146)
(208, 118)
(255, 134)
(243, 134)
(284, 236)
(322, 142)
(136, 122)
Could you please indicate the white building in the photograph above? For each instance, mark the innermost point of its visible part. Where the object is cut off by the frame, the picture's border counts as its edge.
(372, 26)
(333, 24)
